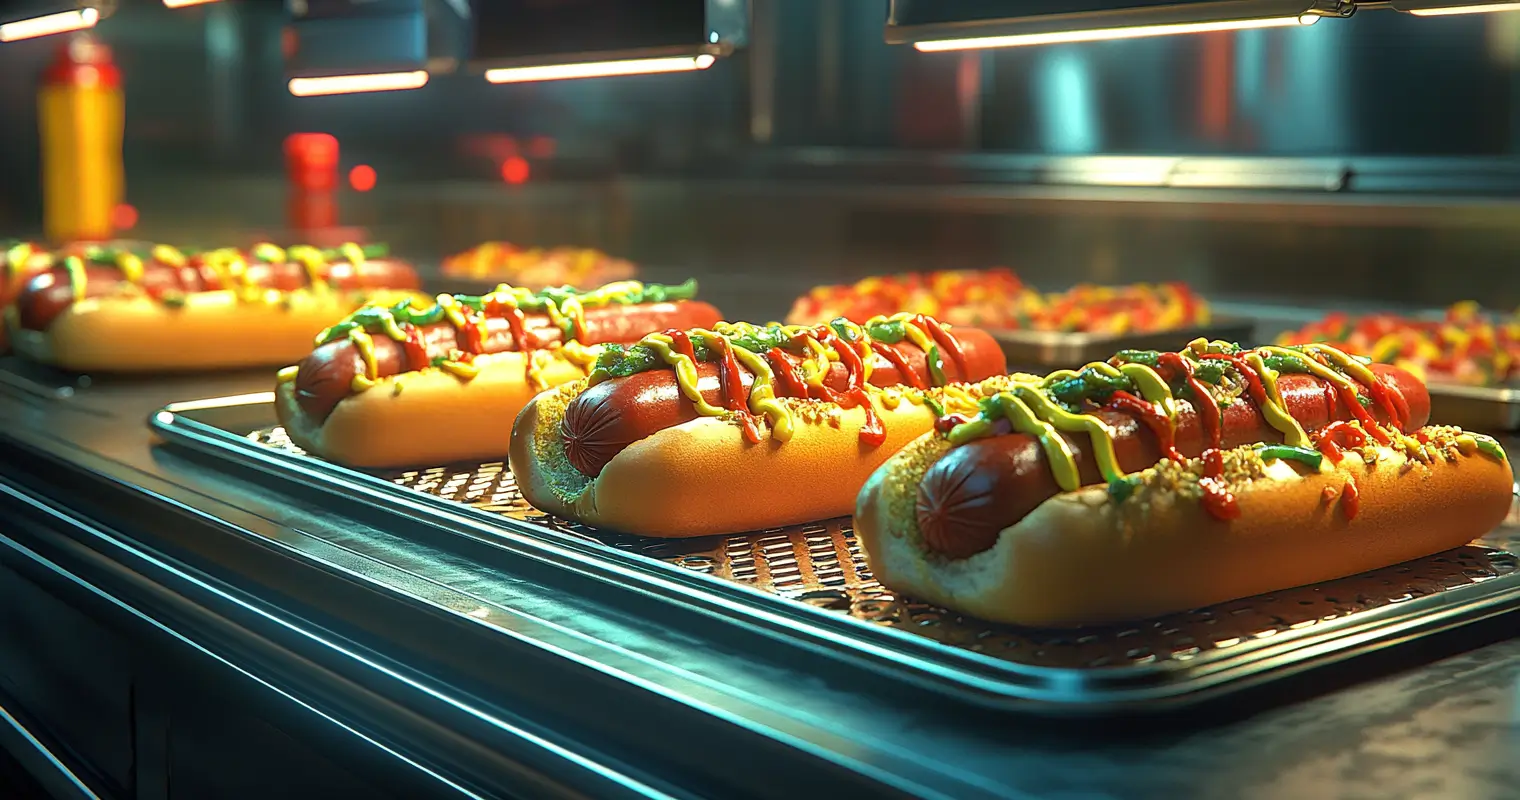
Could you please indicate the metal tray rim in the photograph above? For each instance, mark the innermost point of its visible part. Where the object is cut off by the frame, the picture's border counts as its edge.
(1088, 339)
(1495, 394)
(989, 680)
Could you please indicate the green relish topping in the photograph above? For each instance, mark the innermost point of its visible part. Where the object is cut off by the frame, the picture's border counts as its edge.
(618, 361)
(561, 303)
(1310, 458)
(109, 255)
(1489, 447)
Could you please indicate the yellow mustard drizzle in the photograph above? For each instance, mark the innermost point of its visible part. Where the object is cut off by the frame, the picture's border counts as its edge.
(1274, 410)
(1345, 363)
(287, 374)
(164, 254)
(762, 394)
(459, 369)
(1315, 368)
(75, 267)
(310, 258)
(686, 374)
(1063, 462)
(583, 356)
(366, 347)
(16, 259)
(130, 265)
(272, 253)
(353, 252)
(1098, 431)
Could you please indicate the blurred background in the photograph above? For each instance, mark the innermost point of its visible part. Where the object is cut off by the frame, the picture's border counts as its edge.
(1369, 161)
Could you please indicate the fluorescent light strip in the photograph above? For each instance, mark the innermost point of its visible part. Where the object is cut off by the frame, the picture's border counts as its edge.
(353, 84)
(1446, 12)
(62, 22)
(183, 3)
(598, 69)
(1061, 37)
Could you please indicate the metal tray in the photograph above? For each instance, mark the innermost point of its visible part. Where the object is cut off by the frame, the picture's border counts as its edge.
(1479, 408)
(814, 576)
(1046, 350)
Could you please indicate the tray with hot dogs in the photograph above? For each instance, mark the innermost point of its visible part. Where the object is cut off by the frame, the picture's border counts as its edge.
(1037, 330)
(1469, 358)
(1149, 530)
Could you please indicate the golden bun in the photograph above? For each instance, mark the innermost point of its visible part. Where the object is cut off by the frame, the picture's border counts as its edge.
(701, 478)
(213, 330)
(427, 417)
(1081, 559)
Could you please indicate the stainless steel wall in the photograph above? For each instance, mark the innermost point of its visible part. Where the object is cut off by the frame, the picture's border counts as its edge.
(1371, 158)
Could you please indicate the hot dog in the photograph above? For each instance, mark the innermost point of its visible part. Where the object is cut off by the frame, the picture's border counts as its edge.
(742, 427)
(1161, 482)
(457, 370)
(18, 262)
(110, 309)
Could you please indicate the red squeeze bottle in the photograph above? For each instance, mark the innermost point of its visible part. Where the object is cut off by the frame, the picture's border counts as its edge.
(311, 166)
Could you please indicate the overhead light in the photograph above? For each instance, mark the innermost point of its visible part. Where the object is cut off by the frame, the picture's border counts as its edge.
(353, 84)
(1450, 10)
(183, 3)
(598, 69)
(62, 22)
(1102, 34)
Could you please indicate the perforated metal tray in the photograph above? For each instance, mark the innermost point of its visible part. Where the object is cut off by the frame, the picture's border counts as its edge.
(817, 575)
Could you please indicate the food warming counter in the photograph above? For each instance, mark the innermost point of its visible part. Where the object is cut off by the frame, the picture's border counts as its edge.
(175, 626)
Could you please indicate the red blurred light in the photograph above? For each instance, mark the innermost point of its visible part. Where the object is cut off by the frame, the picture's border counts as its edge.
(515, 170)
(124, 217)
(362, 178)
(541, 147)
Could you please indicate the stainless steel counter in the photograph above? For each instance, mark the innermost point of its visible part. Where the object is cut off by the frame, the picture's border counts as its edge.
(526, 679)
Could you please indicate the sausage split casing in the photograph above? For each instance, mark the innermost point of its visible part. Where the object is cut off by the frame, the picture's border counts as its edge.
(48, 294)
(976, 490)
(606, 418)
(326, 376)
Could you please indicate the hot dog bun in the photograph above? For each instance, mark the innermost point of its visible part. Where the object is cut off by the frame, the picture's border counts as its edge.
(1082, 558)
(427, 417)
(701, 477)
(209, 330)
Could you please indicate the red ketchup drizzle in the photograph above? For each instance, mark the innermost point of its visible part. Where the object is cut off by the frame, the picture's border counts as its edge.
(732, 386)
(474, 339)
(1331, 439)
(682, 344)
(1254, 385)
(416, 351)
(1217, 500)
(872, 432)
(896, 359)
(788, 381)
(948, 422)
(1350, 397)
(515, 321)
(1351, 500)
(947, 343)
(1155, 419)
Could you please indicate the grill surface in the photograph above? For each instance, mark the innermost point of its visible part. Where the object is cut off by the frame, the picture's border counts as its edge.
(819, 564)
